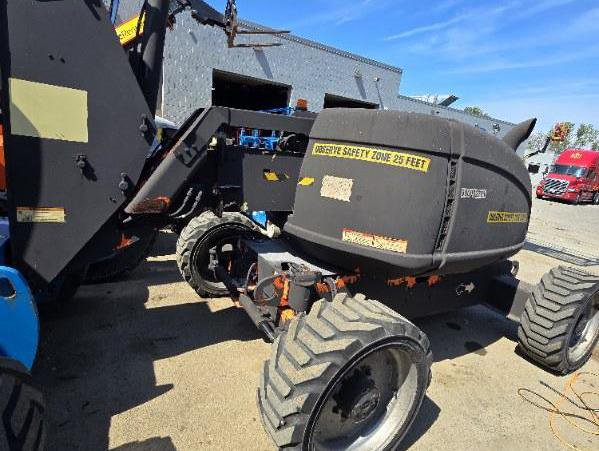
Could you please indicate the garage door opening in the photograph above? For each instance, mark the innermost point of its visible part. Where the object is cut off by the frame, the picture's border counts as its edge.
(247, 93)
(333, 101)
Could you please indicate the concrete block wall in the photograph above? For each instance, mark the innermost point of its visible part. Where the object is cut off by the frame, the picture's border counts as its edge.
(311, 70)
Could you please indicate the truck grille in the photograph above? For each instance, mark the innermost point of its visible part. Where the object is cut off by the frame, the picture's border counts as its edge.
(555, 186)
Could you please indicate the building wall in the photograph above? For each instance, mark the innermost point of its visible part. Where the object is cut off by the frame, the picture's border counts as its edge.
(193, 51)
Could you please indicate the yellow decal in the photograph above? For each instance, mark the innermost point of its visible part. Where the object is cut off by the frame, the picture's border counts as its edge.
(381, 156)
(47, 111)
(375, 241)
(40, 214)
(338, 188)
(128, 30)
(503, 216)
(271, 176)
(306, 181)
(576, 156)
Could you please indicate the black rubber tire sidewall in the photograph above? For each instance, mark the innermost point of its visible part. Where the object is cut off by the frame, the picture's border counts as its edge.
(19, 398)
(201, 251)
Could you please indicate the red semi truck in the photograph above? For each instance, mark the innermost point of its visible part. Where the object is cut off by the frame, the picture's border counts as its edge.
(574, 177)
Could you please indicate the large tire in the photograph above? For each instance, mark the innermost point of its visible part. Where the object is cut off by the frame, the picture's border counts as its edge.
(322, 360)
(21, 409)
(123, 261)
(195, 241)
(596, 198)
(559, 327)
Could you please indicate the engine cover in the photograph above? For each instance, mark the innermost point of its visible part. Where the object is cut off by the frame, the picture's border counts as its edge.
(408, 193)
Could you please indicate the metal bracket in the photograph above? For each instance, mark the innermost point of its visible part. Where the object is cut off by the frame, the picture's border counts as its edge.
(232, 30)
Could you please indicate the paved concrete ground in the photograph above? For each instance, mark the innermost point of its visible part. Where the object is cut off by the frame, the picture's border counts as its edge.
(143, 364)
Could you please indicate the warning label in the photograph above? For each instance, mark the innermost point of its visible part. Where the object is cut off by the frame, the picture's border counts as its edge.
(389, 157)
(503, 216)
(27, 214)
(128, 30)
(376, 241)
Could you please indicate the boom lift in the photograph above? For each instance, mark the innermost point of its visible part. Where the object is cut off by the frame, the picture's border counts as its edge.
(419, 212)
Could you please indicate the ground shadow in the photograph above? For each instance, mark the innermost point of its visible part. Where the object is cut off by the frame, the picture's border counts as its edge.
(470, 330)
(152, 444)
(428, 414)
(165, 244)
(563, 254)
(97, 354)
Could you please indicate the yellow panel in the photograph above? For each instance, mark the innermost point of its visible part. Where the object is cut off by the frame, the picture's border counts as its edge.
(128, 30)
(47, 111)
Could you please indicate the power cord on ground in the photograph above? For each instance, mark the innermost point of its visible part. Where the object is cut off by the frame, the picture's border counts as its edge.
(585, 413)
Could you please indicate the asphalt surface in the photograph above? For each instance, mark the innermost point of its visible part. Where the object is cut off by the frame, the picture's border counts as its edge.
(144, 364)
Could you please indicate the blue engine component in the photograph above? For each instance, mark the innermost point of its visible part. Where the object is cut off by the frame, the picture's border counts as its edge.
(259, 217)
(253, 139)
(19, 325)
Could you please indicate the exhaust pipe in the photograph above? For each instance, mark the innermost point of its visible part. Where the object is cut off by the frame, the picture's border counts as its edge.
(519, 133)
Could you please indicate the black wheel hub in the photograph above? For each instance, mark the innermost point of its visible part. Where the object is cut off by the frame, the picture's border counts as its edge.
(369, 403)
(357, 397)
(365, 405)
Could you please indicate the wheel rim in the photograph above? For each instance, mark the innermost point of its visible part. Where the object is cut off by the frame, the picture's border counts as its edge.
(223, 241)
(585, 331)
(368, 404)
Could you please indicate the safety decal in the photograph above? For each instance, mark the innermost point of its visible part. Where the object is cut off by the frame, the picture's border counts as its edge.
(504, 216)
(40, 214)
(338, 188)
(381, 156)
(128, 30)
(375, 241)
(306, 181)
(273, 176)
(473, 193)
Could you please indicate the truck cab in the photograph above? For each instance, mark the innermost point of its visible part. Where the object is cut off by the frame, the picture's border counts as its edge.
(573, 177)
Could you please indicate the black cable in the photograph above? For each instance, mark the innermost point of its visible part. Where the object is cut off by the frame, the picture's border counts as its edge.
(545, 384)
(247, 278)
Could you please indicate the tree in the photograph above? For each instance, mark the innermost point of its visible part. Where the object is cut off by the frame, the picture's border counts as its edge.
(587, 136)
(475, 111)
